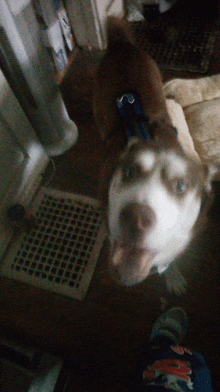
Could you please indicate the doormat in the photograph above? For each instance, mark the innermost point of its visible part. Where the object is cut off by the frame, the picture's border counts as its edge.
(61, 252)
(189, 49)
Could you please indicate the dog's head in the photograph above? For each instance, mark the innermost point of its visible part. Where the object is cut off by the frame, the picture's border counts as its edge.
(155, 199)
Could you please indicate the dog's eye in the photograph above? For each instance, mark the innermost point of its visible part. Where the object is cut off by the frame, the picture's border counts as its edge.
(129, 173)
(180, 186)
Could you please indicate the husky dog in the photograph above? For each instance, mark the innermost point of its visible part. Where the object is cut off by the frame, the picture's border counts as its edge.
(156, 194)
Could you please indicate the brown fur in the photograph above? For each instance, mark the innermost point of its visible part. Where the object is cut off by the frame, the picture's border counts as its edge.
(125, 67)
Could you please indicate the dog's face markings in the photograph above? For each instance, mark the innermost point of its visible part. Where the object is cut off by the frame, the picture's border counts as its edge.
(175, 174)
(146, 160)
(172, 171)
(154, 202)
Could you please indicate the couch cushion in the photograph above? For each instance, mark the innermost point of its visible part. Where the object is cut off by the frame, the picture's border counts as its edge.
(190, 91)
(178, 120)
(203, 120)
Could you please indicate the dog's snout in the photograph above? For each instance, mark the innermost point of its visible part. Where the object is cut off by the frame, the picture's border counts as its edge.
(137, 216)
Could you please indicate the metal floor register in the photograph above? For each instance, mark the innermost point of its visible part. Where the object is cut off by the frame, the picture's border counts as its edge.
(61, 253)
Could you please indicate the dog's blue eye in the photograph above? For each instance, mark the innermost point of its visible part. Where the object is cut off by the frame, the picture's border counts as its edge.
(129, 173)
(180, 186)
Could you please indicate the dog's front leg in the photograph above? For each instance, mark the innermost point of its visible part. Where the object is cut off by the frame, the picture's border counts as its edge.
(175, 281)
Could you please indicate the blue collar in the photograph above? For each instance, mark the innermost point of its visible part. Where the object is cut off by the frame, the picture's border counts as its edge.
(131, 113)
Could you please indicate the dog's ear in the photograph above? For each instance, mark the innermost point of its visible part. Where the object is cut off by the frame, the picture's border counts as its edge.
(162, 131)
(105, 175)
(132, 141)
(210, 171)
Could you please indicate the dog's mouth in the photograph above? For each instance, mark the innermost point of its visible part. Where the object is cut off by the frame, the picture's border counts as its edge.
(129, 263)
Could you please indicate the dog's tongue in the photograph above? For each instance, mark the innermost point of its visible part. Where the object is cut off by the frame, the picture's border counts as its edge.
(125, 254)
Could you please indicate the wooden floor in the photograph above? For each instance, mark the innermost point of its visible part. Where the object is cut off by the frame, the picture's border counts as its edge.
(103, 335)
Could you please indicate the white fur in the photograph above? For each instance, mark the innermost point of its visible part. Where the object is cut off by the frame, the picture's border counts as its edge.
(146, 160)
(177, 166)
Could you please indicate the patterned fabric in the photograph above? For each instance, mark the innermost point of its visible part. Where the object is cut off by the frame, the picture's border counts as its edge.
(171, 368)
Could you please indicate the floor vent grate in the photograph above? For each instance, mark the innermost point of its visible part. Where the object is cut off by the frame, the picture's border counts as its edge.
(60, 254)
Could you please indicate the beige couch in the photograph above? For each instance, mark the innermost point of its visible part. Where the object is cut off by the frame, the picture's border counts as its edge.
(194, 106)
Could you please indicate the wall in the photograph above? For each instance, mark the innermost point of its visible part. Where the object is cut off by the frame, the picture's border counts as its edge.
(88, 20)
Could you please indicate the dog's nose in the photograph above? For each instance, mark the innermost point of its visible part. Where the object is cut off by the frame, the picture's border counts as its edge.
(137, 216)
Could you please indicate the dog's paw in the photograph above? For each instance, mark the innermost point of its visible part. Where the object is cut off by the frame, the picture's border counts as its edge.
(175, 281)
